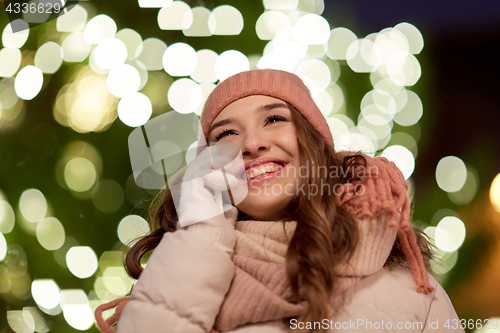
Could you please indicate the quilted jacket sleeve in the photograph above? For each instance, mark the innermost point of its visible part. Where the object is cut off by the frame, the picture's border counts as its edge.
(442, 315)
(183, 285)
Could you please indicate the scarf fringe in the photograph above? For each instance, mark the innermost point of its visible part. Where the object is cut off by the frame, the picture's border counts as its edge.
(385, 190)
(106, 326)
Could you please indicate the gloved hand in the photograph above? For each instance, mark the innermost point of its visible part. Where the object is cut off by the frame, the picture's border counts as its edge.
(203, 182)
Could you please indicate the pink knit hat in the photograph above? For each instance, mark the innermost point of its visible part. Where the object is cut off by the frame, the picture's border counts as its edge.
(274, 83)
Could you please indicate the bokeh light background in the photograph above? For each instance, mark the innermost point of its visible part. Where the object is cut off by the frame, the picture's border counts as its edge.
(416, 83)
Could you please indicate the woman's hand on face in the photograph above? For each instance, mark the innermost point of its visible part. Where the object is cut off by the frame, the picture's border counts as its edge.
(202, 184)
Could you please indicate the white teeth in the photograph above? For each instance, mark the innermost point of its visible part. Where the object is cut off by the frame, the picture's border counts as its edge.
(261, 170)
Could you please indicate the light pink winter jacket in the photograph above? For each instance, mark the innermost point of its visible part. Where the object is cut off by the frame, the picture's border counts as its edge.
(188, 275)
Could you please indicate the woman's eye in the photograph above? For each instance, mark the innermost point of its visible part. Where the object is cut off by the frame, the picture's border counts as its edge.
(223, 134)
(275, 118)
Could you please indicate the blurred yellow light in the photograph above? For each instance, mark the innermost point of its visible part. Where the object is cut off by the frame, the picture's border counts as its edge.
(28, 82)
(204, 71)
(451, 173)
(163, 148)
(176, 16)
(152, 53)
(21, 321)
(135, 109)
(402, 157)
(179, 59)
(185, 95)
(315, 74)
(132, 227)
(450, 234)
(324, 101)
(93, 66)
(3, 247)
(269, 23)
(339, 41)
(86, 104)
(154, 3)
(75, 48)
(123, 80)
(80, 174)
(363, 56)
(281, 4)
(102, 291)
(311, 6)
(377, 125)
(81, 261)
(76, 309)
(199, 27)
(143, 72)
(15, 39)
(10, 60)
(48, 57)
(281, 53)
(405, 140)
(312, 29)
(33, 205)
(132, 40)
(412, 111)
(99, 28)
(468, 191)
(356, 141)
(444, 261)
(404, 69)
(401, 99)
(7, 217)
(117, 281)
(5, 280)
(110, 53)
(73, 20)
(50, 233)
(8, 97)
(225, 20)
(39, 323)
(413, 35)
(337, 96)
(385, 102)
(45, 292)
(229, 63)
(206, 89)
(191, 152)
(384, 83)
(338, 128)
(391, 41)
(316, 51)
(495, 193)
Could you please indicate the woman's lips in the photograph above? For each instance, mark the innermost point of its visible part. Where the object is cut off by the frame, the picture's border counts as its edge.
(264, 176)
(262, 169)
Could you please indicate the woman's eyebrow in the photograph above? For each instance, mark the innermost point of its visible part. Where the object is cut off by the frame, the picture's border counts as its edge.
(220, 123)
(269, 107)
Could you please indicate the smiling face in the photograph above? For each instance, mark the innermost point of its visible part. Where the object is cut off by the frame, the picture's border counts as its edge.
(262, 127)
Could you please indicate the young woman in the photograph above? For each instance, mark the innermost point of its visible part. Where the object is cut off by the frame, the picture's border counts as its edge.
(322, 241)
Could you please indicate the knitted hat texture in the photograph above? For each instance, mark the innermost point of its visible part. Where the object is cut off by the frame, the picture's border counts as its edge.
(274, 83)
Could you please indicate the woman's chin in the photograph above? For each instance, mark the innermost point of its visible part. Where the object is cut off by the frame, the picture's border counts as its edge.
(263, 209)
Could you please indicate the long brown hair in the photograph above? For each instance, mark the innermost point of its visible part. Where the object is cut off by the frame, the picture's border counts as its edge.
(325, 234)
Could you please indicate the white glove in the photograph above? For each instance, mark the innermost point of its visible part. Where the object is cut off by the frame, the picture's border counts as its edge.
(203, 182)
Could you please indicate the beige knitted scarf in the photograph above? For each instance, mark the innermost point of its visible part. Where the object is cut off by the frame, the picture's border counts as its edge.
(260, 290)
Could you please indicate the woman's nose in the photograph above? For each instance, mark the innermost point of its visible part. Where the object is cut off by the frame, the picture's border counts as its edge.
(254, 143)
